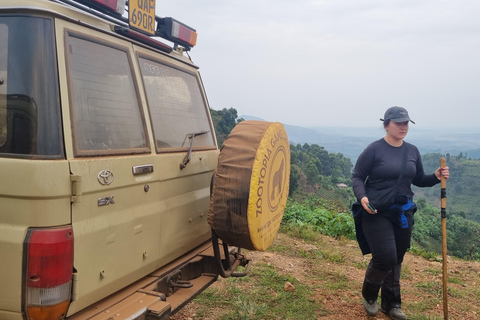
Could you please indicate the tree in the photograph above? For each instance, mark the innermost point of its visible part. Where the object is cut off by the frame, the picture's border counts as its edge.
(224, 121)
(421, 203)
(293, 155)
(333, 165)
(312, 173)
(294, 180)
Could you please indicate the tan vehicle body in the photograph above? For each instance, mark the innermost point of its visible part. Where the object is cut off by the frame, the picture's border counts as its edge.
(129, 231)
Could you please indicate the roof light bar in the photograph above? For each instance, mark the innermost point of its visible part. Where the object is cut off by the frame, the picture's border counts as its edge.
(184, 33)
(176, 32)
(166, 28)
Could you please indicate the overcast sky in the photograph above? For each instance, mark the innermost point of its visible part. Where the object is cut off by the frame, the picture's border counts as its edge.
(338, 62)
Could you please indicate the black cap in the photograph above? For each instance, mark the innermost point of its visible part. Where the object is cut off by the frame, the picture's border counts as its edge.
(397, 114)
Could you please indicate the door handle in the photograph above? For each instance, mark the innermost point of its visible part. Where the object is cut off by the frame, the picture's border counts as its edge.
(145, 168)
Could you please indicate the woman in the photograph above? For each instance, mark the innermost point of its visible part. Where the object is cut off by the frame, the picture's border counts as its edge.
(381, 181)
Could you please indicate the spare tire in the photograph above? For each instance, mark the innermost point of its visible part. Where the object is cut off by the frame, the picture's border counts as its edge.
(250, 185)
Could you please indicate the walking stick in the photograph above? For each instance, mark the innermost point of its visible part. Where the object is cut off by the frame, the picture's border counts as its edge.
(443, 196)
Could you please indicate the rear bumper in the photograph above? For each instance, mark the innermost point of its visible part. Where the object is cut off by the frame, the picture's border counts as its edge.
(160, 294)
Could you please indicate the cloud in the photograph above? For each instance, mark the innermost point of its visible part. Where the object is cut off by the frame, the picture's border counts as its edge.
(340, 62)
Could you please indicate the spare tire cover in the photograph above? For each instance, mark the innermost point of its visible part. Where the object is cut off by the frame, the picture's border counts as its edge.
(250, 185)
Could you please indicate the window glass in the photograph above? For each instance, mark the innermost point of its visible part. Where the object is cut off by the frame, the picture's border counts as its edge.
(29, 101)
(3, 83)
(176, 105)
(106, 117)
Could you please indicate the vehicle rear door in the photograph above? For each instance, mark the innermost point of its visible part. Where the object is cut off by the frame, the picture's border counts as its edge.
(133, 208)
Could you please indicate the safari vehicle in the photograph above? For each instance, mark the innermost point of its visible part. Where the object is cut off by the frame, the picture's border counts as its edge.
(112, 186)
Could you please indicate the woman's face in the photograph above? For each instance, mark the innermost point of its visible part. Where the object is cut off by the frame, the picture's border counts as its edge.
(397, 130)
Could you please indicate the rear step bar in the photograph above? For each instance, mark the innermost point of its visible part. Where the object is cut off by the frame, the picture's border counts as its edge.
(165, 291)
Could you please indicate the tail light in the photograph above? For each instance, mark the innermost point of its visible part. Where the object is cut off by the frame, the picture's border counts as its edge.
(176, 32)
(48, 266)
(183, 32)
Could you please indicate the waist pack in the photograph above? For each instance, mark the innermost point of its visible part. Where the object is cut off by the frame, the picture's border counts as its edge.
(398, 209)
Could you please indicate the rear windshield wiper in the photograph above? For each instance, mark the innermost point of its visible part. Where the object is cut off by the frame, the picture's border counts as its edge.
(190, 136)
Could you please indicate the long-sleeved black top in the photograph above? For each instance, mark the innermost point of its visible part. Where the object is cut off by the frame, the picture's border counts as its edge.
(382, 163)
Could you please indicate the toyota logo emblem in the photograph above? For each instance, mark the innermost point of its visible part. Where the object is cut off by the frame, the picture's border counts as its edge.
(105, 177)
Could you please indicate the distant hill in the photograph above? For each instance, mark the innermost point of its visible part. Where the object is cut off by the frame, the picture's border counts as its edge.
(462, 187)
(351, 141)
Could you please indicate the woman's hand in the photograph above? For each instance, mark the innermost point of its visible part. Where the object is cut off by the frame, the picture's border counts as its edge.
(445, 172)
(365, 203)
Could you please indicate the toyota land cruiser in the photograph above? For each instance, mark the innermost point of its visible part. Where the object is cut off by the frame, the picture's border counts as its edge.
(107, 152)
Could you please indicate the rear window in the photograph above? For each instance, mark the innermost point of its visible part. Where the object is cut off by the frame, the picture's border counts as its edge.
(177, 107)
(3, 85)
(105, 111)
(29, 102)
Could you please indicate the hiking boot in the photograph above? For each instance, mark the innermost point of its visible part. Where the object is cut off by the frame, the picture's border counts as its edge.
(371, 307)
(397, 314)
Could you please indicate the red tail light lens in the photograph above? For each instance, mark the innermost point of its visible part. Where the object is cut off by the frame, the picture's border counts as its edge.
(176, 32)
(48, 272)
(184, 33)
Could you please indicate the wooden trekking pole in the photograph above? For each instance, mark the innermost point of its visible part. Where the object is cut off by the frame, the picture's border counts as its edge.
(443, 195)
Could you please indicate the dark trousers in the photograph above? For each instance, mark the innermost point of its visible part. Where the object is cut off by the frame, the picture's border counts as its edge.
(388, 242)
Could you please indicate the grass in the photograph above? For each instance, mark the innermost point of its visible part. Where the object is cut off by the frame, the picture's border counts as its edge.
(327, 274)
(266, 299)
(418, 251)
(305, 232)
(431, 287)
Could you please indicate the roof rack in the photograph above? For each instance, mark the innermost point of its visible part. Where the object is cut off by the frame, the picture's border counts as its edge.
(113, 11)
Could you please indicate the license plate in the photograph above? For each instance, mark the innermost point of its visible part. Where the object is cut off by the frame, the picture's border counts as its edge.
(141, 15)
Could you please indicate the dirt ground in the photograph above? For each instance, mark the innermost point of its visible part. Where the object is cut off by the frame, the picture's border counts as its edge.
(421, 282)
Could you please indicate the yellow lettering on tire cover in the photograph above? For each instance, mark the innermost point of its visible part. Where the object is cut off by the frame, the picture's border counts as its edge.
(251, 185)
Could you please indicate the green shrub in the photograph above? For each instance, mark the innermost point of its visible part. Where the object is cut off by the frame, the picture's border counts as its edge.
(315, 213)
